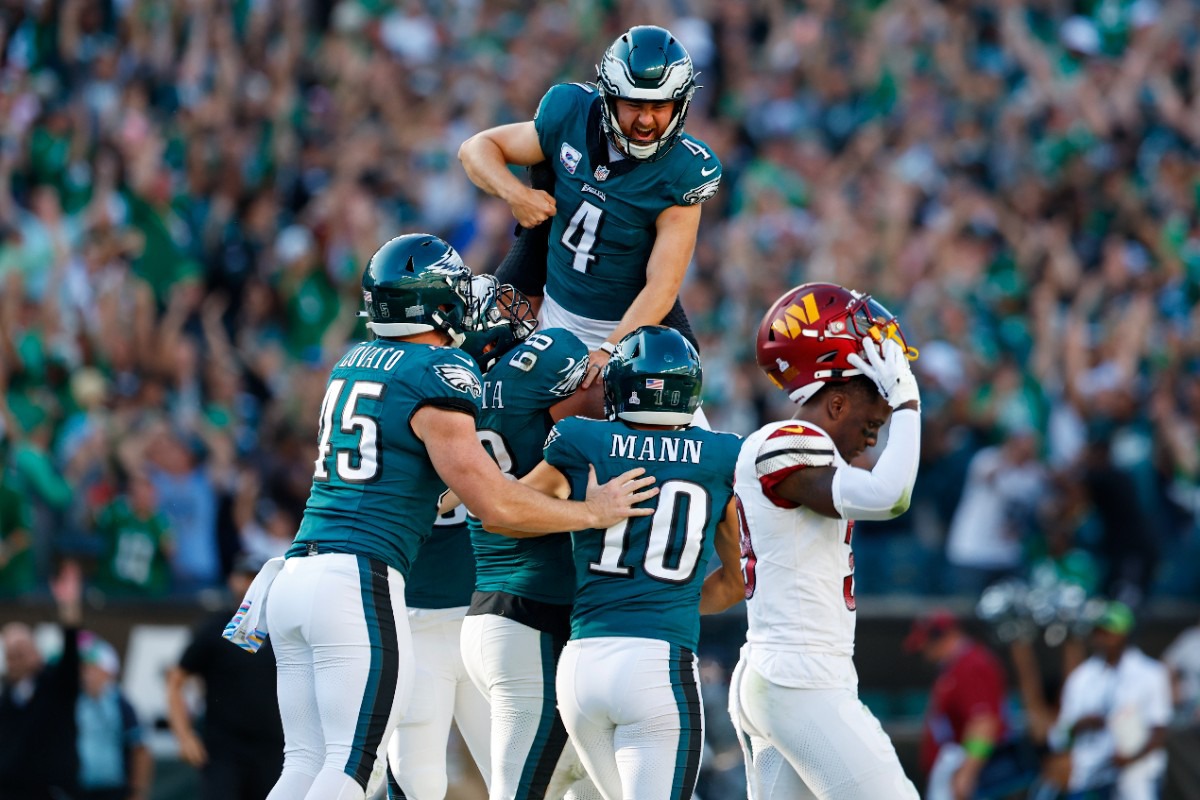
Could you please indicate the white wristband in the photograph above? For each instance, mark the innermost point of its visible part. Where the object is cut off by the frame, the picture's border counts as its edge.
(607, 347)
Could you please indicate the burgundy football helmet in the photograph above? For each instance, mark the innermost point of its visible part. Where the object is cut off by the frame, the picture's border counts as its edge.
(805, 338)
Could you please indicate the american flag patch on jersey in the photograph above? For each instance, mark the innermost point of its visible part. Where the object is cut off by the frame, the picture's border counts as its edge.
(655, 383)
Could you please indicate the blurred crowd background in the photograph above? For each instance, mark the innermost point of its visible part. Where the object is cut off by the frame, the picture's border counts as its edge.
(189, 192)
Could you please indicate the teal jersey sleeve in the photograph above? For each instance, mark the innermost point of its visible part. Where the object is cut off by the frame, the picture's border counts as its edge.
(604, 231)
(643, 577)
(699, 172)
(557, 117)
(561, 449)
(443, 573)
(517, 396)
(374, 489)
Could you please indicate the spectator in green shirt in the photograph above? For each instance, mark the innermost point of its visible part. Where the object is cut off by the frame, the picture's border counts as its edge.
(17, 572)
(137, 542)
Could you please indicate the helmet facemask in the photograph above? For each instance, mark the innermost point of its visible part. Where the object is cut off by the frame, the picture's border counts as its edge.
(500, 318)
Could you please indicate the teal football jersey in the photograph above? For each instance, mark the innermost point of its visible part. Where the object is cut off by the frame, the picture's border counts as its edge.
(517, 396)
(643, 577)
(443, 573)
(604, 228)
(374, 489)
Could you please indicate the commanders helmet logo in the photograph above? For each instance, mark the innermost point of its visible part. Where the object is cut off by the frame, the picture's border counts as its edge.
(460, 379)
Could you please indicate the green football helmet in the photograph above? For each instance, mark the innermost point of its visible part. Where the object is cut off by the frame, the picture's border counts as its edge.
(646, 63)
(417, 283)
(503, 318)
(654, 377)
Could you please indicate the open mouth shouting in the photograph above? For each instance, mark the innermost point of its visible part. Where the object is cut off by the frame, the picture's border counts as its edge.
(641, 133)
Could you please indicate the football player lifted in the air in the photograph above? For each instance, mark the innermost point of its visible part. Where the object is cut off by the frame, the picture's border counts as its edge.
(623, 204)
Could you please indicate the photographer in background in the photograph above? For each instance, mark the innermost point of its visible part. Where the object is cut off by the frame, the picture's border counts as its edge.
(240, 752)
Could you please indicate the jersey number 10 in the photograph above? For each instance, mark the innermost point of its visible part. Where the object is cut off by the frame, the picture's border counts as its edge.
(676, 499)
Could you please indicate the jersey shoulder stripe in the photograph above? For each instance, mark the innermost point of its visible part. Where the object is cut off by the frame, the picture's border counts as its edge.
(794, 447)
(790, 449)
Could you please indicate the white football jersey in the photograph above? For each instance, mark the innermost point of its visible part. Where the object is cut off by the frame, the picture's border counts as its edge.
(798, 565)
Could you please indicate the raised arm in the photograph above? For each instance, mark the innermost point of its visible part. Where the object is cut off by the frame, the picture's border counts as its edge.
(464, 465)
(486, 156)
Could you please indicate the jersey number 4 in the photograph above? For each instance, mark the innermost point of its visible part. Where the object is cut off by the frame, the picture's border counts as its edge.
(359, 463)
(681, 504)
(580, 235)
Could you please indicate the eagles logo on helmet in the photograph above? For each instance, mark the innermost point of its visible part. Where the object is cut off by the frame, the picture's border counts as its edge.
(501, 319)
(423, 275)
(806, 337)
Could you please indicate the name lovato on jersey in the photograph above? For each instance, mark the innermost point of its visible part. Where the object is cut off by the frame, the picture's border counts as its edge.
(649, 448)
(371, 356)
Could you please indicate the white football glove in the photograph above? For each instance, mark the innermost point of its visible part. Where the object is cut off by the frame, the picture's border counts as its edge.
(889, 369)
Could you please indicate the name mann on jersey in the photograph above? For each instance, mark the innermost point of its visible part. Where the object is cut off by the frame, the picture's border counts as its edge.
(684, 451)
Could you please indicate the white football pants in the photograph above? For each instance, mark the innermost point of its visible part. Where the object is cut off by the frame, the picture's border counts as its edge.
(442, 691)
(514, 665)
(801, 744)
(345, 666)
(632, 707)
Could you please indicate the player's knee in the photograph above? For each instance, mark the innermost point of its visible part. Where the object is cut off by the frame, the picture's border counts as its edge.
(421, 783)
(303, 760)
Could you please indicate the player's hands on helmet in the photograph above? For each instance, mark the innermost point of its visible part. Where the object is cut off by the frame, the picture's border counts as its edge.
(886, 365)
(532, 207)
(615, 500)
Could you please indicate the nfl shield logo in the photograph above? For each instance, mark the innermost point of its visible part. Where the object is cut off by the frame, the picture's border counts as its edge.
(569, 157)
(601, 173)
